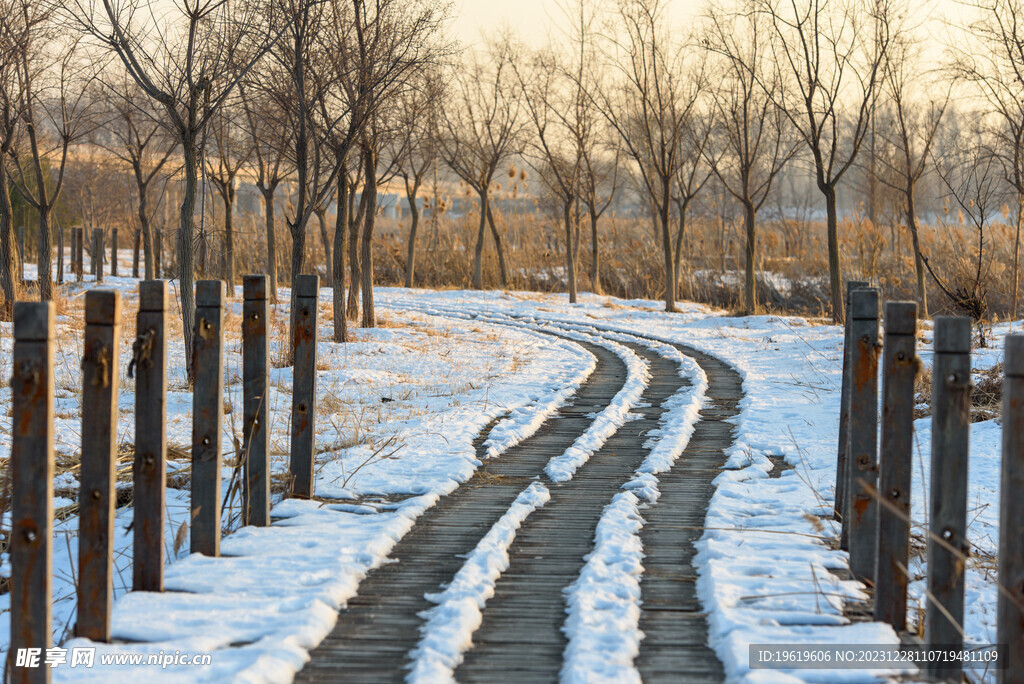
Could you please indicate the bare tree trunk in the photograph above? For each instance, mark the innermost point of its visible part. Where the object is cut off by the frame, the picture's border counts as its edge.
(340, 250)
(835, 274)
(498, 245)
(321, 216)
(750, 280)
(922, 290)
(680, 234)
(570, 266)
(478, 267)
(1016, 255)
(44, 256)
(146, 231)
(136, 249)
(229, 238)
(666, 248)
(187, 252)
(369, 319)
(595, 259)
(355, 276)
(8, 251)
(410, 262)
(268, 209)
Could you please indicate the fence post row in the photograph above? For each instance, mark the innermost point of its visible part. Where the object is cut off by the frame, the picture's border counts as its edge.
(844, 421)
(97, 497)
(947, 544)
(32, 484)
(207, 415)
(307, 288)
(899, 368)
(149, 363)
(862, 449)
(255, 372)
(1010, 620)
(113, 252)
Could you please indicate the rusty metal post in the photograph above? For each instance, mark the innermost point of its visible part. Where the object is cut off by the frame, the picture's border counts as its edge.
(1010, 620)
(307, 288)
(31, 542)
(862, 453)
(113, 252)
(899, 368)
(97, 497)
(255, 372)
(844, 422)
(207, 416)
(947, 541)
(149, 362)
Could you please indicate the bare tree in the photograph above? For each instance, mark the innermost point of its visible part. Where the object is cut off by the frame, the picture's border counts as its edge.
(133, 134)
(230, 155)
(656, 90)
(828, 60)
(993, 62)
(599, 184)
(54, 88)
(752, 142)
(480, 132)
(188, 60)
(911, 138)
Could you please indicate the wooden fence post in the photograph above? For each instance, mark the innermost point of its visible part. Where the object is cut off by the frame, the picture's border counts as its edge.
(113, 252)
(97, 254)
(149, 361)
(80, 255)
(255, 372)
(207, 416)
(862, 435)
(947, 543)
(31, 542)
(899, 368)
(1011, 517)
(97, 496)
(844, 422)
(307, 288)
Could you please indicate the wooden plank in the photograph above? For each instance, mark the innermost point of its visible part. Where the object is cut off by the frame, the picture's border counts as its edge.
(97, 498)
(32, 485)
(113, 252)
(207, 416)
(150, 466)
(844, 420)
(255, 373)
(306, 291)
(947, 540)
(1010, 620)
(899, 368)
(862, 453)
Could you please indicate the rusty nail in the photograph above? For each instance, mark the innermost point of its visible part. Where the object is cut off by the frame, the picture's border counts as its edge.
(30, 535)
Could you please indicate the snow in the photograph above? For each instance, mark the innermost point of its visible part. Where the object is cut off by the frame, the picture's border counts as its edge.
(449, 627)
(453, 362)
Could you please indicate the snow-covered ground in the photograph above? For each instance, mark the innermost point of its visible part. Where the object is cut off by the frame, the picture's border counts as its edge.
(450, 362)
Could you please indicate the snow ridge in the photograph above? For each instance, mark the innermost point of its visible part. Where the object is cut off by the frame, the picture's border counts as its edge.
(449, 628)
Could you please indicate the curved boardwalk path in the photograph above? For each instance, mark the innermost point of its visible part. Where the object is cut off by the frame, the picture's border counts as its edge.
(521, 638)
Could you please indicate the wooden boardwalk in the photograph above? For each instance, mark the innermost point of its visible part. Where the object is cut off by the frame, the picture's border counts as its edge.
(521, 638)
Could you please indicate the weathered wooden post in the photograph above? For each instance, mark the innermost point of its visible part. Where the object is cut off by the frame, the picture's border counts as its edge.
(862, 434)
(255, 371)
(80, 254)
(899, 367)
(307, 288)
(207, 415)
(149, 362)
(1011, 517)
(113, 252)
(844, 422)
(97, 254)
(947, 543)
(97, 497)
(32, 485)
(60, 256)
